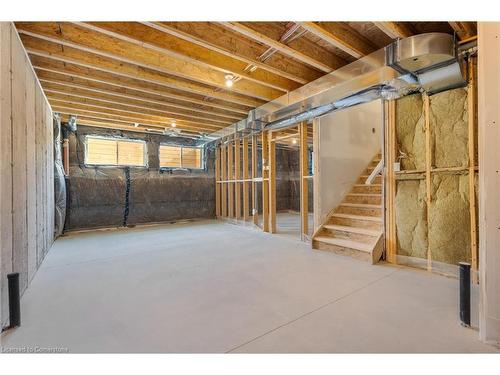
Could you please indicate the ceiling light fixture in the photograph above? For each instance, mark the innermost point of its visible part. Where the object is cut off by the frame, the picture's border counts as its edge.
(174, 124)
(294, 141)
(136, 125)
(229, 80)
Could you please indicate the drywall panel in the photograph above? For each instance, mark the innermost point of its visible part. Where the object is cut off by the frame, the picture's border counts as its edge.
(26, 167)
(348, 140)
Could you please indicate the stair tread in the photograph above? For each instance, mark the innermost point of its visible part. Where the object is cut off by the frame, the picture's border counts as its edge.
(358, 217)
(361, 246)
(343, 228)
(361, 205)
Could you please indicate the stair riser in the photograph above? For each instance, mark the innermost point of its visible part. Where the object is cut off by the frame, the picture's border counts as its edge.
(377, 212)
(358, 237)
(342, 251)
(363, 199)
(376, 180)
(367, 189)
(368, 224)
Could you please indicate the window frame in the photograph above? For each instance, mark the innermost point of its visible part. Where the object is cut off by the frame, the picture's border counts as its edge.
(117, 139)
(165, 167)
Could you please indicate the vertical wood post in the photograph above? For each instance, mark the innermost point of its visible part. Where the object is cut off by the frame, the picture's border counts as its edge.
(217, 182)
(390, 181)
(245, 179)
(265, 182)
(255, 211)
(428, 167)
(224, 178)
(237, 177)
(471, 100)
(304, 173)
(230, 177)
(272, 182)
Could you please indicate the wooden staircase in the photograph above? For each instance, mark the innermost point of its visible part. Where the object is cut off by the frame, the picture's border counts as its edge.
(355, 227)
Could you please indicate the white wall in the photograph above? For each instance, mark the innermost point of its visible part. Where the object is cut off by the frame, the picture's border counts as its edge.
(345, 145)
(489, 180)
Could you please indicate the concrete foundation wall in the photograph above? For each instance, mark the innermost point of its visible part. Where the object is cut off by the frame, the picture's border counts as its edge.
(26, 167)
(97, 194)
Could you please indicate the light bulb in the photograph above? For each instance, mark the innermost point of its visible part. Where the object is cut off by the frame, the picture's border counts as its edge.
(229, 80)
(174, 124)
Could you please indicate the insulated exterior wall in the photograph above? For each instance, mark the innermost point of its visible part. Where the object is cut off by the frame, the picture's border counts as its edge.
(26, 167)
(444, 230)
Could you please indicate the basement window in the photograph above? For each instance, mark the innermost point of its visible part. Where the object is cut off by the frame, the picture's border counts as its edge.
(115, 152)
(181, 157)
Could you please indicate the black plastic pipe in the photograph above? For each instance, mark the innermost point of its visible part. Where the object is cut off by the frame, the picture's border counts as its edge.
(464, 293)
(14, 300)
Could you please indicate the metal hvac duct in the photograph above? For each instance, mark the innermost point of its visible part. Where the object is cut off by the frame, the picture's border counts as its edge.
(425, 62)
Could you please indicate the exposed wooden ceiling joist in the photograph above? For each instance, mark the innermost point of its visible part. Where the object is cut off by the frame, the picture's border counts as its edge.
(177, 48)
(70, 55)
(341, 36)
(120, 82)
(396, 29)
(70, 87)
(91, 43)
(283, 48)
(464, 30)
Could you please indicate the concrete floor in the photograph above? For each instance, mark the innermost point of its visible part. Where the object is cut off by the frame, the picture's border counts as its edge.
(215, 287)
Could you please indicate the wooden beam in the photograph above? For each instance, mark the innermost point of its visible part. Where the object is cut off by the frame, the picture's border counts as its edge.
(428, 167)
(341, 36)
(304, 183)
(68, 72)
(162, 117)
(265, 181)
(464, 30)
(143, 55)
(215, 43)
(147, 106)
(107, 91)
(283, 48)
(246, 201)
(50, 50)
(150, 36)
(272, 182)
(395, 29)
(237, 176)
(255, 211)
(471, 108)
(230, 176)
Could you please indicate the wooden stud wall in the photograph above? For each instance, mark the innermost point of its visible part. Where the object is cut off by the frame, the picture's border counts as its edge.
(26, 166)
(272, 181)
